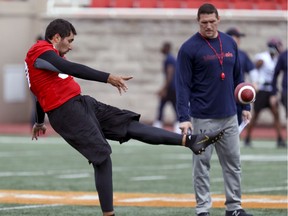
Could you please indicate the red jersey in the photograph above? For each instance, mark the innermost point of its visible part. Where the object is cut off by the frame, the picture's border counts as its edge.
(52, 89)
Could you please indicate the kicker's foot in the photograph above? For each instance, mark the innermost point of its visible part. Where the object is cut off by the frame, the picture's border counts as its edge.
(199, 142)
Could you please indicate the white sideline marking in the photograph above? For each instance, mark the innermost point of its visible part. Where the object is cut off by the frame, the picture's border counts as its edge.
(256, 190)
(60, 174)
(148, 178)
(266, 189)
(149, 199)
(74, 176)
(37, 196)
(28, 207)
(86, 197)
(215, 199)
(27, 140)
(263, 158)
(255, 158)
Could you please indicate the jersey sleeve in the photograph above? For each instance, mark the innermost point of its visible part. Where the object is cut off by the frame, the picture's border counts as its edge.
(49, 60)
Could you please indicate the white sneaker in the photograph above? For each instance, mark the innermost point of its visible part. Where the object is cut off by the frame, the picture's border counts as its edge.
(176, 128)
(157, 124)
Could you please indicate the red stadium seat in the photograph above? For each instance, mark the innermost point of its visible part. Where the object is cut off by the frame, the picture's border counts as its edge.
(100, 3)
(147, 3)
(219, 4)
(266, 5)
(281, 4)
(194, 3)
(123, 3)
(243, 4)
(171, 3)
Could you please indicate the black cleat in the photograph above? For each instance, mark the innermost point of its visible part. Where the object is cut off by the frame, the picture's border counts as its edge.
(281, 143)
(239, 212)
(247, 142)
(199, 142)
(203, 214)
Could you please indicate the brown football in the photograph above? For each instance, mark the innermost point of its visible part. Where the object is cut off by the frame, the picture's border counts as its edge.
(245, 93)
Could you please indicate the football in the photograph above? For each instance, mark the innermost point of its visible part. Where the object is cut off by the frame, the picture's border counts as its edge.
(245, 93)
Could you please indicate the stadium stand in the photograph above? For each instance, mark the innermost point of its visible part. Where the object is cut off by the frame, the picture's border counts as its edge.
(267, 5)
(123, 3)
(100, 3)
(221, 4)
(244, 4)
(147, 4)
(282, 4)
(171, 4)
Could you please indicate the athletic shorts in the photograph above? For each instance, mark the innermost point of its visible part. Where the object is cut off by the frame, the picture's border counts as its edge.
(86, 123)
(262, 100)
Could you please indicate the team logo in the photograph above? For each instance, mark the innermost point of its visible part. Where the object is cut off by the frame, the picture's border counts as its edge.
(204, 140)
(62, 76)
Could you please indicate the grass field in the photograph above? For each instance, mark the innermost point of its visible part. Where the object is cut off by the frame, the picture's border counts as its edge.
(48, 177)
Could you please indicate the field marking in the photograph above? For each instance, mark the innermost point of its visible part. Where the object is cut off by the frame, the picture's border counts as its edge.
(244, 157)
(28, 207)
(148, 178)
(133, 199)
(257, 190)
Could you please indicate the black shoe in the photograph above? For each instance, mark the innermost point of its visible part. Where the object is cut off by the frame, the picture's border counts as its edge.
(199, 142)
(247, 142)
(239, 212)
(203, 214)
(281, 143)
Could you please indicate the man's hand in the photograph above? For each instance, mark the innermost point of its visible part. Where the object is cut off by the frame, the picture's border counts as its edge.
(246, 115)
(186, 127)
(119, 82)
(37, 130)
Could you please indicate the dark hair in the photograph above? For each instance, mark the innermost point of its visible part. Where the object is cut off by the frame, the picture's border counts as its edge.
(207, 9)
(61, 27)
(166, 47)
(275, 43)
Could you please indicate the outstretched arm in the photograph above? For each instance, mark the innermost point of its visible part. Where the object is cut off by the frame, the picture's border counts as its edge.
(49, 60)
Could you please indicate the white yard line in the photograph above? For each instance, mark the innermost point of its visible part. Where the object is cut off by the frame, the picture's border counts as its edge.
(244, 157)
(28, 207)
(27, 140)
(148, 178)
(268, 189)
(257, 190)
(57, 173)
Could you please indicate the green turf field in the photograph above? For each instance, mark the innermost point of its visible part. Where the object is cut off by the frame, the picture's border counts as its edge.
(50, 164)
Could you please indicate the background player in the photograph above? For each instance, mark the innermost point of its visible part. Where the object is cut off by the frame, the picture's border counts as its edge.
(167, 92)
(263, 77)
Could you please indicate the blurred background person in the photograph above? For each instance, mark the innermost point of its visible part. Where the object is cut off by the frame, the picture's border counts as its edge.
(265, 63)
(247, 65)
(281, 66)
(167, 92)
